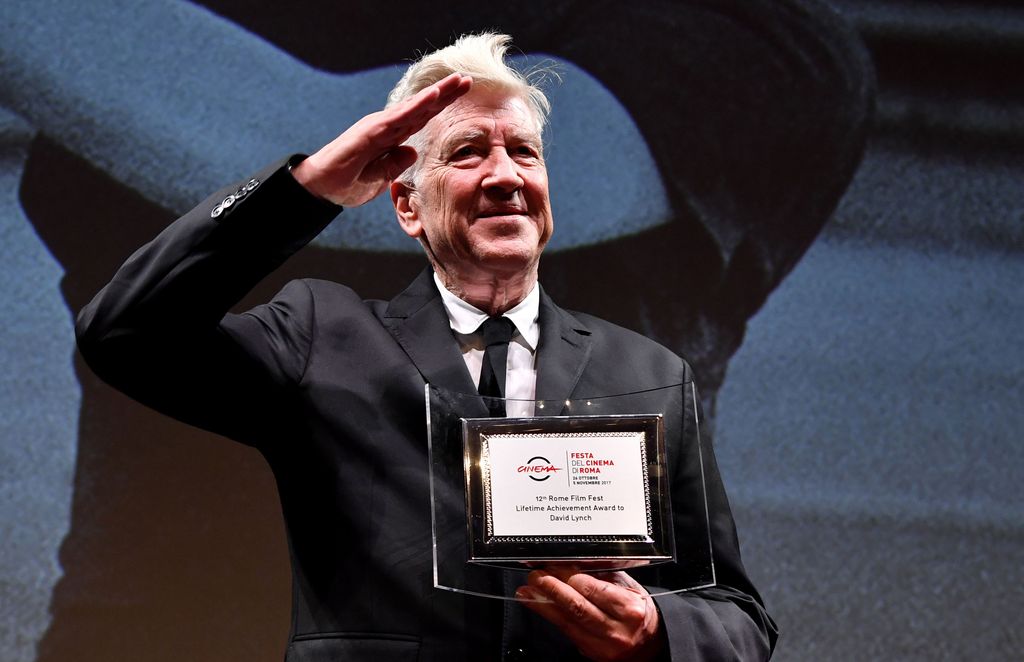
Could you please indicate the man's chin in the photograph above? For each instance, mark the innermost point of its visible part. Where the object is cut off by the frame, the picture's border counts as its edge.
(509, 263)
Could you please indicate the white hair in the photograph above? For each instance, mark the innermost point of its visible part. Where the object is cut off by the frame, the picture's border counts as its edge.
(481, 56)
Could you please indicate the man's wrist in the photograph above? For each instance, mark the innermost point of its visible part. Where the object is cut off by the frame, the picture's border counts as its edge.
(300, 171)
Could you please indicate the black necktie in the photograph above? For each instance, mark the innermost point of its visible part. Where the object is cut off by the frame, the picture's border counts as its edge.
(497, 332)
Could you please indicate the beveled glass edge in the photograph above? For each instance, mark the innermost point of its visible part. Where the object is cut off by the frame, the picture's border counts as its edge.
(703, 481)
(652, 590)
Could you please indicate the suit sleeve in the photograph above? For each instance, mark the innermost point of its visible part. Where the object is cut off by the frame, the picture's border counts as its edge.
(727, 621)
(160, 330)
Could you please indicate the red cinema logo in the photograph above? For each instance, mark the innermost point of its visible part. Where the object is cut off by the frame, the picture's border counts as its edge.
(538, 468)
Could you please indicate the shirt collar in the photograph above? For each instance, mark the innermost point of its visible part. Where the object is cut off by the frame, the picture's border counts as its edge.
(466, 318)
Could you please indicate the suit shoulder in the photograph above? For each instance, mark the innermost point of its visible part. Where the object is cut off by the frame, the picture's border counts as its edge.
(612, 341)
(328, 298)
(327, 290)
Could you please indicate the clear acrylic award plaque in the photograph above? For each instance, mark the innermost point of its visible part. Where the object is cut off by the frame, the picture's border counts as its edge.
(604, 483)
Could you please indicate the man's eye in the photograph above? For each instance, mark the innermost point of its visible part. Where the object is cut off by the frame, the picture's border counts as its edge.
(463, 152)
(525, 150)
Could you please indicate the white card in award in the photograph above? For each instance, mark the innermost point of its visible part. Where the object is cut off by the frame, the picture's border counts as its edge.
(580, 484)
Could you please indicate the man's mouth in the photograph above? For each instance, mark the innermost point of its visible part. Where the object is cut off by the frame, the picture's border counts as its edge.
(501, 211)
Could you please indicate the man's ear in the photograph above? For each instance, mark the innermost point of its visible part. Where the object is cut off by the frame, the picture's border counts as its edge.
(403, 197)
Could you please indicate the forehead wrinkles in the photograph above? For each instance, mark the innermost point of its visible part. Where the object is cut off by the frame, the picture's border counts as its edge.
(475, 121)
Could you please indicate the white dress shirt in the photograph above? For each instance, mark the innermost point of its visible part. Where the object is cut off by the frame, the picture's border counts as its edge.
(521, 367)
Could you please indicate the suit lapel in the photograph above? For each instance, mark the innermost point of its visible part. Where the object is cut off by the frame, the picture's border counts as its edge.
(417, 320)
(562, 354)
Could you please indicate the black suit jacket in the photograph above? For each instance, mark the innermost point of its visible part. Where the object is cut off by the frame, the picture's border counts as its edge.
(330, 389)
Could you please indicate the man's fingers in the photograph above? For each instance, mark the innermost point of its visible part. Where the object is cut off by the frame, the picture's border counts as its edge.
(616, 594)
(565, 599)
(388, 128)
(621, 603)
(577, 629)
(397, 161)
(448, 89)
(619, 599)
(357, 165)
(605, 618)
(622, 579)
(406, 118)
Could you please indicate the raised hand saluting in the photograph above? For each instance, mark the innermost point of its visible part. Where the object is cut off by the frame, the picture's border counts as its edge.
(356, 166)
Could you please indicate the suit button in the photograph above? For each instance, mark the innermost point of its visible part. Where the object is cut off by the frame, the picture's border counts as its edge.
(516, 655)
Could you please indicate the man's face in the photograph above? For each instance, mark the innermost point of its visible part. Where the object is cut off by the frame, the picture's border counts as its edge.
(480, 200)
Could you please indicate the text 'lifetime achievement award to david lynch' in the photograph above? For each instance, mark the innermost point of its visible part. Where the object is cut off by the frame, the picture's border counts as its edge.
(566, 488)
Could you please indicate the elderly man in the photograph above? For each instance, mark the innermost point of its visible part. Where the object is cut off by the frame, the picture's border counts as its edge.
(330, 388)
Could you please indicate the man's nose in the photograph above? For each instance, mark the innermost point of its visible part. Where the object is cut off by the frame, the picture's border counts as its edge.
(503, 172)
